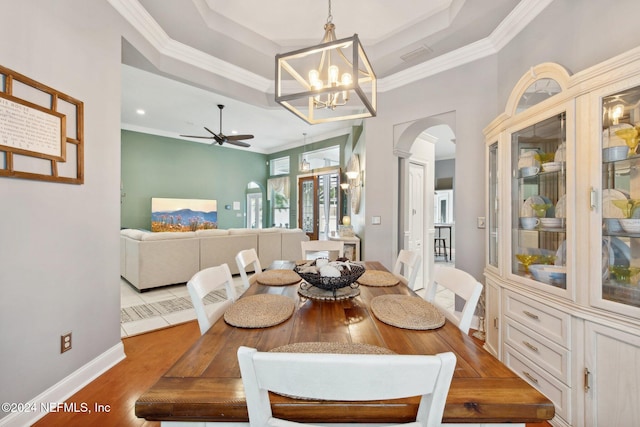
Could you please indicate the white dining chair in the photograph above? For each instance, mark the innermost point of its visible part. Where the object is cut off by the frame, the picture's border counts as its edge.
(407, 267)
(463, 285)
(331, 249)
(201, 284)
(248, 258)
(345, 377)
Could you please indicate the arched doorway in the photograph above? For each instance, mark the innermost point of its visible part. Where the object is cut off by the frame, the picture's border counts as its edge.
(415, 148)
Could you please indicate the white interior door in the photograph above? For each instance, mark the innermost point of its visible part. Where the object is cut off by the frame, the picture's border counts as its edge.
(254, 210)
(415, 242)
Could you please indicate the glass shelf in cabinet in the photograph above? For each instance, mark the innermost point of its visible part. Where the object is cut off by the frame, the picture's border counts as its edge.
(624, 292)
(553, 229)
(620, 234)
(542, 174)
(624, 163)
(559, 172)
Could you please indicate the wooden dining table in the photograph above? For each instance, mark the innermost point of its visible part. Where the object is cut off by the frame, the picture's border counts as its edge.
(205, 383)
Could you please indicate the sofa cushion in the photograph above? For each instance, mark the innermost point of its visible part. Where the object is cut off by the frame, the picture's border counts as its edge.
(212, 232)
(167, 235)
(223, 249)
(133, 233)
(270, 230)
(243, 231)
(291, 230)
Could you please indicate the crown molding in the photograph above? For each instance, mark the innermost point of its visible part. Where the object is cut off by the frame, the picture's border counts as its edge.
(134, 13)
(516, 21)
(512, 25)
(448, 61)
(524, 12)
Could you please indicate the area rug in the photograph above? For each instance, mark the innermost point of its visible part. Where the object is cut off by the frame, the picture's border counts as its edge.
(160, 308)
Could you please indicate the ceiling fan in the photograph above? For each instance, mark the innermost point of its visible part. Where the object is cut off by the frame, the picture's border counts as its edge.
(221, 138)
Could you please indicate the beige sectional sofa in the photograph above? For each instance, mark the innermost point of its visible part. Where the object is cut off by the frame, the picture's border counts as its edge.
(149, 260)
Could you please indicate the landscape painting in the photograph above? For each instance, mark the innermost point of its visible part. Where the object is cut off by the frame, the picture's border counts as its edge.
(183, 214)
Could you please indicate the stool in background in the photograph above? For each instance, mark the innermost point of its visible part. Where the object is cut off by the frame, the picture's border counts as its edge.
(440, 247)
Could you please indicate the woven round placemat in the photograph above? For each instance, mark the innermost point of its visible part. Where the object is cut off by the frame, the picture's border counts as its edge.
(378, 278)
(406, 312)
(259, 311)
(309, 291)
(332, 347)
(277, 277)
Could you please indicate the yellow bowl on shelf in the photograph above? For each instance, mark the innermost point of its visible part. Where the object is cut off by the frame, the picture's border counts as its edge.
(546, 157)
(625, 274)
(527, 259)
(627, 206)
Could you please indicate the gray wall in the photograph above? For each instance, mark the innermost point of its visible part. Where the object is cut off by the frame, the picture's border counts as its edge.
(445, 169)
(469, 92)
(59, 248)
(156, 166)
(576, 34)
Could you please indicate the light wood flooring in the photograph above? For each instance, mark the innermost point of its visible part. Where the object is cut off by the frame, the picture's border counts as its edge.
(149, 356)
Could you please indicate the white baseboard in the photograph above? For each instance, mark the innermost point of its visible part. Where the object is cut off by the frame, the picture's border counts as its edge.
(65, 388)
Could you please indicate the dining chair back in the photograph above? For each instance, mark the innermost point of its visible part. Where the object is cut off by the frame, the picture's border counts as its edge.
(463, 285)
(248, 258)
(322, 248)
(407, 267)
(201, 284)
(345, 377)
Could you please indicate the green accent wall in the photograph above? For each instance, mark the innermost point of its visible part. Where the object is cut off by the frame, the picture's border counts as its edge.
(156, 166)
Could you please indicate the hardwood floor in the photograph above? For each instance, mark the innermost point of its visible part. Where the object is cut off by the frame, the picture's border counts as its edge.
(148, 357)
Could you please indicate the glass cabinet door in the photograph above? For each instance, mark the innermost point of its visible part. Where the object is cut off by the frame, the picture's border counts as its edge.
(621, 198)
(538, 155)
(492, 219)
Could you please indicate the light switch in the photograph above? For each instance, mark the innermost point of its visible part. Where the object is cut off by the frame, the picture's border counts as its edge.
(481, 222)
(376, 220)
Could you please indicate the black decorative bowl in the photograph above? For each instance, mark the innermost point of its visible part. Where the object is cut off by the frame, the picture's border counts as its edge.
(332, 283)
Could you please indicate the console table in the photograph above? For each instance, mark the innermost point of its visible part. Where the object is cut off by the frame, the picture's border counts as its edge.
(351, 246)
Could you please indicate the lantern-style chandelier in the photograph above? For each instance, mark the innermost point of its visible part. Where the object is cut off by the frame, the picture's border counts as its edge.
(318, 83)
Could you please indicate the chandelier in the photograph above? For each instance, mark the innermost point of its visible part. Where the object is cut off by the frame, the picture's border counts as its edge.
(327, 82)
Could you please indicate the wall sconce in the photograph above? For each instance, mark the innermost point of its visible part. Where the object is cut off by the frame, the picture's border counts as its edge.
(353, 174)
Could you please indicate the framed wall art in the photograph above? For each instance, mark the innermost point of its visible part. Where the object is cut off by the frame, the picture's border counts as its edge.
(41, 131)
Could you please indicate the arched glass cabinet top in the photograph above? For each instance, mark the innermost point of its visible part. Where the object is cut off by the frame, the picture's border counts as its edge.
(537, 92)
(537, 85)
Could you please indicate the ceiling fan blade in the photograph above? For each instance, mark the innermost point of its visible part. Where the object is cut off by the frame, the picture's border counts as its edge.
(195, 136)
(210, 131)
(238, 137)
(238, 143)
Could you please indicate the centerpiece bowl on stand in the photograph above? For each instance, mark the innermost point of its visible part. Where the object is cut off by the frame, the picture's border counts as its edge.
(329, 286)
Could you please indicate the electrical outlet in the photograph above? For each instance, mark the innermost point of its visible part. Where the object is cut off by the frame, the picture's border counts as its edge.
(65, 342)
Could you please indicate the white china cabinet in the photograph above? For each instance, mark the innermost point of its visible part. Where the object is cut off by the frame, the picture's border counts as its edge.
(563, 239)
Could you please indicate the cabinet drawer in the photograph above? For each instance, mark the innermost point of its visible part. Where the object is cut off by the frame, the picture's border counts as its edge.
(550, 356)
(556, 391)
(547, 321)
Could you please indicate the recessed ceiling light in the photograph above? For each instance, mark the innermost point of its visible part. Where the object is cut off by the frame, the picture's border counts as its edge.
(140, 111)
(234, 131)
